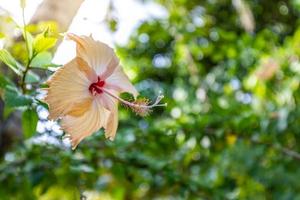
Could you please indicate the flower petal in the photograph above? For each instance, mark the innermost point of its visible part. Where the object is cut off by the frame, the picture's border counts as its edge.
(111, 124)
(77, 128)
(67, 87)
(98, 55)
(80, 108)
(86, 69)
(119, 82)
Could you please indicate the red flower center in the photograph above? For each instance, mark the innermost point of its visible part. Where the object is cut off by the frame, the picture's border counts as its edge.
(95, 88)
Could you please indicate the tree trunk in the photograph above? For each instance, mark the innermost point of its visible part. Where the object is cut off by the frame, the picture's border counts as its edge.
(60, 11)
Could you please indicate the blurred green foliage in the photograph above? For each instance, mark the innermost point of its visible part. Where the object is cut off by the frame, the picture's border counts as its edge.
(230, 130)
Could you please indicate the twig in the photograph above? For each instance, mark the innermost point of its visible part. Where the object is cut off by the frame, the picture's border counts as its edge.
(27, 68)
(293, 154)
(192, 66)
(30, 57)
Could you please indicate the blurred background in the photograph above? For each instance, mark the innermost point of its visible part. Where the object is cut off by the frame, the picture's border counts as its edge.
(229, 70)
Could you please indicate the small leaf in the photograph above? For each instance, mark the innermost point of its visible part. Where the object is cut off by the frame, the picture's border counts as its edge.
(127, 96)
(32, 77)
(83, 168)
(9, 60)
(113, 25)
(43, 42)
(13, 98)
(7, 111)
(42, 60)
(41, 103)
(29, 42)
(29, 122)
(4, 81)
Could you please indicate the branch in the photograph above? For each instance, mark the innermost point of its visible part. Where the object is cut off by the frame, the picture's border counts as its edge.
(291, 153)
(27, 68)
(245, 15)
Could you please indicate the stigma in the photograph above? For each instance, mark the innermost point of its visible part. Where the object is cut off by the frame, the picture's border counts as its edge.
(96, 87)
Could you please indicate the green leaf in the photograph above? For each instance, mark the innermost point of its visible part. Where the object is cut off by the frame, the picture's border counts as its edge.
(2, 35)
(29, 122)
(32, 77)
(127, 96)
(43, 42)
(113, 24)
(41, 103)
(7, 111)
(13, 98)
(29, 42)
(4, 81)
(9, 60)
(42, 60)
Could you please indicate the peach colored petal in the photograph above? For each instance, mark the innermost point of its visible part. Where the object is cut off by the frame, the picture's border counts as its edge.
(68, 86)
(98, 55)
(77, 128)
(111, 124)
(119, 82)
(85, 68)
(80, 108)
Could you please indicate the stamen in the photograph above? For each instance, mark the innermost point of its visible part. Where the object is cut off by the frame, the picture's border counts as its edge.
(140, 106)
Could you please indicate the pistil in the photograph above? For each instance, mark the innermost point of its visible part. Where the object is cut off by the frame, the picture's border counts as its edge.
(131, 104)
(140, 106)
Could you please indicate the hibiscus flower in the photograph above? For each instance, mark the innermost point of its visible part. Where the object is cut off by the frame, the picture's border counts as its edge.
(84, 93)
